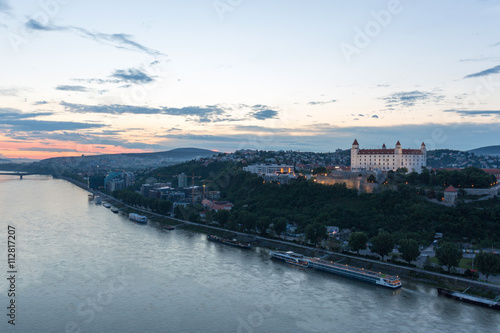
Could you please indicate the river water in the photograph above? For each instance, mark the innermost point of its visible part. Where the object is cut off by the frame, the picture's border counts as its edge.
(81, 268)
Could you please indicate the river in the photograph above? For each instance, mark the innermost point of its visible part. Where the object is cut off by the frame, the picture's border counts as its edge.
(81, 268)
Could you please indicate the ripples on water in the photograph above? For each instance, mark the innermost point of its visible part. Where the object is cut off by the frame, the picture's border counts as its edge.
(83, 267)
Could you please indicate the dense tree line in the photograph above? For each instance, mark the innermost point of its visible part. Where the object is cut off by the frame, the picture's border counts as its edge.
(470, 177)
(135, 199)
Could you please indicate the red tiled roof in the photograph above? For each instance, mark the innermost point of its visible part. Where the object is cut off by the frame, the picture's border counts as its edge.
(450, 189)
(355, 142)
(388, 152)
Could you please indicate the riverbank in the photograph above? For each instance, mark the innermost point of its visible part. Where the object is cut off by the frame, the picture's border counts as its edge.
(433, 278)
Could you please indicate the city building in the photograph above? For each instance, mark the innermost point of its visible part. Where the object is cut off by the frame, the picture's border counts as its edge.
(263, 169)
(182, 180)
(385, 159)
(118, 180)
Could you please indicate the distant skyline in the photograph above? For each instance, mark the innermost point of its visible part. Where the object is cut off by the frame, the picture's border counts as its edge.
(93, 77)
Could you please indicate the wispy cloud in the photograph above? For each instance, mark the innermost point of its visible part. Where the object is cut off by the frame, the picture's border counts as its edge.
(14, 120)
(53, 150)
(322, 103)
(133, 75)
(72, 88)
(489, 71)
(40, 103)
(120, 40)
(475, 112)
(4, 6)
(478, 59)
(410, 98)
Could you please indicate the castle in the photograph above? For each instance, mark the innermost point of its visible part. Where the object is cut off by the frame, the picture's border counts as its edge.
(388, 159)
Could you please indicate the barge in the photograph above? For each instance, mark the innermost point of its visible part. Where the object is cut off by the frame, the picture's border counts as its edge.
(227, 241)
(138, 218)
(338, 269)
(471, 299)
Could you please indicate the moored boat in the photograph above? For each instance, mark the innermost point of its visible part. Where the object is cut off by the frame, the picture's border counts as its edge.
(97, 200)
(115, 210)
(493, 304)
(169, 227)
(138, 218)
(107, 205)
(335, 268)
(227, 241)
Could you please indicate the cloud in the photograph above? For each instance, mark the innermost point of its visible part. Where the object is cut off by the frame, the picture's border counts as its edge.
(262, 112)
(53, 150)
(374, 116)
(15, 120)
(475, 112)
(489, 71)
(120, 40)
(480, 59)
(72, 88)
(40, 103)
(322, 103)
(207, 113)
(9, 91)
(204, 114)
(410, 98)
(132, 75)
(4, 6)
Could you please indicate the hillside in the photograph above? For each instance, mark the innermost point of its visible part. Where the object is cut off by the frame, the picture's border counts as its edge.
(125, 161)
(489, 150)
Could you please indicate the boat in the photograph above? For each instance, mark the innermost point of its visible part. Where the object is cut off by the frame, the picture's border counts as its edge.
(97, 200)
(115, 210)
(227, 241)
(107, 205)
(343, 270)
(169, 227)
(490, 303)
(138, 218)
(290, 258)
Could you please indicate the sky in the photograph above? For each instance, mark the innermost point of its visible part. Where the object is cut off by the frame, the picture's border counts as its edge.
(99, 77)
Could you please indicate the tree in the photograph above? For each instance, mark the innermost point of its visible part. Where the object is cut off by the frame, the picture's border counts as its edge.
(279, 225)
(315, 232)
(487, 263)
(382, 244)
(371, 179)
(263, 223)
(449, 254)
(357, 241)
(409, 250)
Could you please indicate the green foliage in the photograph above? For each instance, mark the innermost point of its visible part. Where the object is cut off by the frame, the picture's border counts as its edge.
(315, 232)
(371, 179)
(488, 263)
(409, 250)
(382, 244)
(470, 177)
(357, 241)
(449, 254)
(320, 170)
(279, 225)
(135, 199)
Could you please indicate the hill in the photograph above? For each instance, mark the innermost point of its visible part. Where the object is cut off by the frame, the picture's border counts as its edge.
(489, 150)
(127, 161)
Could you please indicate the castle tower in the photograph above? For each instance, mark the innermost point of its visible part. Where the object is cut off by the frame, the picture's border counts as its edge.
(354, 155)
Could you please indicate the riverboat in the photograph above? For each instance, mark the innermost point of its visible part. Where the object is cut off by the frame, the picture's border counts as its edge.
(138, 218)
(290, 258)
(97, 200)
(115, 210)
(107, 205)
(471, 299)
(227, 241)
(338, 269)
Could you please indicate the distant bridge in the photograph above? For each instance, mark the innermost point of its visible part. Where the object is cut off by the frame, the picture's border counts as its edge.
(20, 174)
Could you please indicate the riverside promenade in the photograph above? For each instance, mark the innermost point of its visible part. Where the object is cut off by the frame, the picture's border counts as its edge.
(407, 271)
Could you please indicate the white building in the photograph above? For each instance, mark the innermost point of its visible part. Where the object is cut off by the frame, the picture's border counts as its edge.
(263, 169)
(388, 159)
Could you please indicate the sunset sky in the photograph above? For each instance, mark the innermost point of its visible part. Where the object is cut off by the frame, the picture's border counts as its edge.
(89, 77)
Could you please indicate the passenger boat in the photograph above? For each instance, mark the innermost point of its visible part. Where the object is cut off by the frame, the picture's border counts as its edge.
(335, 268)
(138, 218)
(97, 200)
(115, 210)
(227, 241)
(490, 303)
